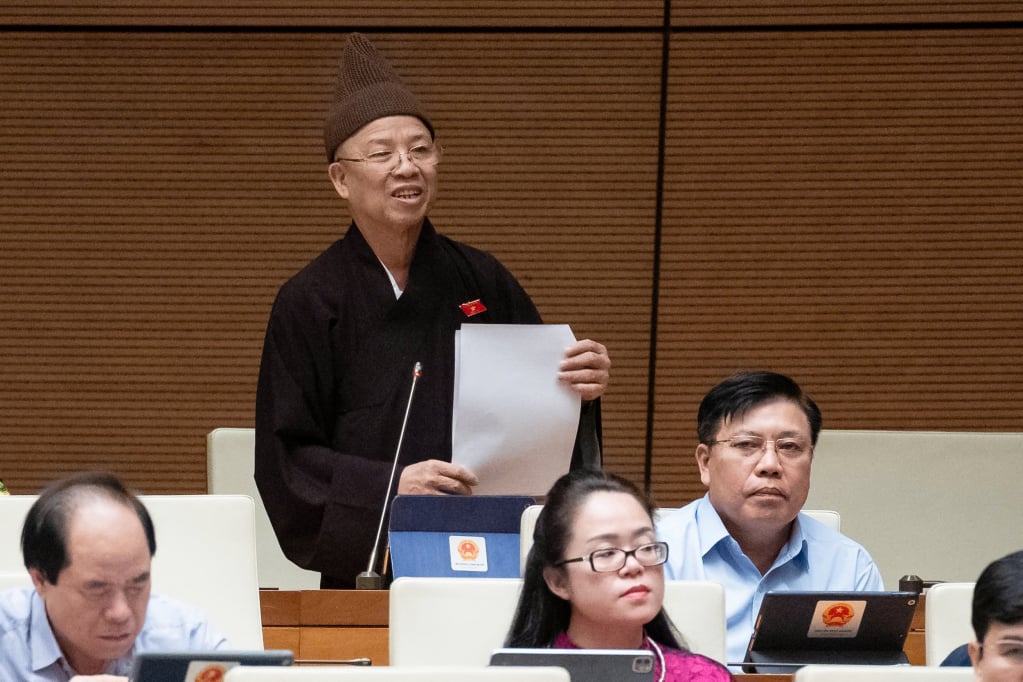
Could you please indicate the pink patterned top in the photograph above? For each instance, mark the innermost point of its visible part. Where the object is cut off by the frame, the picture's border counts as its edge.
(682, 666)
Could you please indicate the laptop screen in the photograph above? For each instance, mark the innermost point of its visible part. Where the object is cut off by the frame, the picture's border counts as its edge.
(199, 666)
(797, 628)
(585, 665)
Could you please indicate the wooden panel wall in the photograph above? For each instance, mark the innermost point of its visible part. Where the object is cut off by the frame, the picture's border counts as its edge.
(844, 207)
(903, 14)
(840, 204)
(176, 179)
(329, 14)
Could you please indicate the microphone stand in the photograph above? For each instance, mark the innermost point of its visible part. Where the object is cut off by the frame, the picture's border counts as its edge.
(370, 579)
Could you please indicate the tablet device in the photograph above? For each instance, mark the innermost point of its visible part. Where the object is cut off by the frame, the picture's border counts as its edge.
(199, 666)
(585, 665)
(794, 629)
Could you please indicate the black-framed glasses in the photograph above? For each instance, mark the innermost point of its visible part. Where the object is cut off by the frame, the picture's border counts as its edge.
(613, 559)
(749, 445)
(388, 160)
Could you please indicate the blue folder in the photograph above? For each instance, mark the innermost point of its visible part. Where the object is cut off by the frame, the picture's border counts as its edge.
(456, 536)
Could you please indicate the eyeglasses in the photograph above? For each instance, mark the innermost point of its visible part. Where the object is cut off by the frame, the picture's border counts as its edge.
(613, 559)
(748, 446)
(388, 160)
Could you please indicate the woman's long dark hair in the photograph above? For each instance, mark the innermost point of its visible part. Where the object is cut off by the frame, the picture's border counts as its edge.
(541, 615)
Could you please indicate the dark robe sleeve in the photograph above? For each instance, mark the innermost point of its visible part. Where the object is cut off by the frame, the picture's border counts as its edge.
(321, 501)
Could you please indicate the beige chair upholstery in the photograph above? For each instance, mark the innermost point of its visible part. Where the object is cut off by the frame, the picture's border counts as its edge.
(881, 673)
(205, 556)
(14, 579)
(394, 674)
(527, 523)
(947, 619)
(697, 608)
(437, 621)
(429, 625)
(230, 462)
(829, 517)
(12, 516)
(890, 484)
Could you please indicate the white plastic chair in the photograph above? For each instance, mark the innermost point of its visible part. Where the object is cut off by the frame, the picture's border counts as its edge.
(947, 620)
(881, 673)
(230, 463)
(205, 556)
(392, 674)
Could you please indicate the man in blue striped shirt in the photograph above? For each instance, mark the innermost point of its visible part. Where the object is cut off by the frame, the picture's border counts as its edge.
(88, 544)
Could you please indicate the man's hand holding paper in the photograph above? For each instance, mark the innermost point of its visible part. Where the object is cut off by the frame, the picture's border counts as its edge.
(586, 368)
(517, 399)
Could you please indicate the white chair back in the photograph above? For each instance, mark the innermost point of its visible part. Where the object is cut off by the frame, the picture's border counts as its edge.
(230, 463)
(881, 673)
(947, 619)
(14, 579)
(829, 517)
(527, 523)
(429, 625)
(887, 482)
(393, 674)
(697, 608)
(205, 556)
(437, 621)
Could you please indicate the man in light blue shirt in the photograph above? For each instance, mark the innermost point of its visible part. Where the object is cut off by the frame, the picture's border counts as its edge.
(88, 544)
(757, 432)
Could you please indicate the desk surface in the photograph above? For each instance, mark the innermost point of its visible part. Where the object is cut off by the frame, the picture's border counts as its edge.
(339, 624)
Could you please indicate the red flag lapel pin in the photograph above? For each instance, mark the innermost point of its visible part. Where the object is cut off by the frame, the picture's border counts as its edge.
(471, 308)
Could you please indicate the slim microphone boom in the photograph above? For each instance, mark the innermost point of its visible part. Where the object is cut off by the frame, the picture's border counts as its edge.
(370, 579)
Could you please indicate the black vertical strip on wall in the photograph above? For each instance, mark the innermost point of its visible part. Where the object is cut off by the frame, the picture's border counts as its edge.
(655, 275)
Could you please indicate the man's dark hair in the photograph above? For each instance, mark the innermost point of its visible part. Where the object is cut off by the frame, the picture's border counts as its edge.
(998, 594)
(44, 535)
(745, 390)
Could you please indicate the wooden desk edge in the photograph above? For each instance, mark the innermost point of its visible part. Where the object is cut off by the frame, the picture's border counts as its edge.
(338, 608)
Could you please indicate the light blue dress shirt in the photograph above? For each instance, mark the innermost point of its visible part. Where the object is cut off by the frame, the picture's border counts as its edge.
(29, 651)
(815, 558)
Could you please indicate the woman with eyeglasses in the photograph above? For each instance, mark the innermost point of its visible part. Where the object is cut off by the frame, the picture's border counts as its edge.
(594, 578)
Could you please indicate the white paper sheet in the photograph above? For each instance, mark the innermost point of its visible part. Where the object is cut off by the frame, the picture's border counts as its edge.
(514, 423)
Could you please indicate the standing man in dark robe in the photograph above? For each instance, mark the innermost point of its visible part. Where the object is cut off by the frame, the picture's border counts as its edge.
(345, 333)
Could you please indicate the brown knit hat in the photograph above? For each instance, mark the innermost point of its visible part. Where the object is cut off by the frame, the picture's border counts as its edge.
(367, 89)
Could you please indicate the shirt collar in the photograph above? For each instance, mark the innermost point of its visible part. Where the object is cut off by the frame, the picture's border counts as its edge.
(712, 532)
(797, 548)
(710, 526)
(44, 647)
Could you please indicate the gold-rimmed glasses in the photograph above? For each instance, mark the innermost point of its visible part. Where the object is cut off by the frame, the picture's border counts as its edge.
(748, 445)
(388, 160)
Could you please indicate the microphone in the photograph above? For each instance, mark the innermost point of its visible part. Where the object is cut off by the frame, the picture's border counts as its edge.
(370, 579)
(914, 583)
